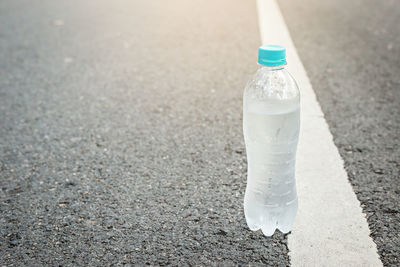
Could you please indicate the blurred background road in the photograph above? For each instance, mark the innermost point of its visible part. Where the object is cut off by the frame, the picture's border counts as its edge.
(121, 139)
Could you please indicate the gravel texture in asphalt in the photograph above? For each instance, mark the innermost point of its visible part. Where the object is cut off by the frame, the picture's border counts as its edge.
(121, 137)
(351, 51)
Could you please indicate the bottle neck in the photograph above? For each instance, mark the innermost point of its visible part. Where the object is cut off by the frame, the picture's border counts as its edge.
(273, 68)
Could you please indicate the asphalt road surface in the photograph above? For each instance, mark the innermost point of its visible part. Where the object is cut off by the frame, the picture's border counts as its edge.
(351, 51)
(121, 133)
(121, 138)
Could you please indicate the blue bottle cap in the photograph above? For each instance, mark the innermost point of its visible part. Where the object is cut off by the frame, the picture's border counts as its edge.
(271, 55)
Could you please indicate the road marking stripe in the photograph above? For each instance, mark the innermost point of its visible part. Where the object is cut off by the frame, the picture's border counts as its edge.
(330, 228)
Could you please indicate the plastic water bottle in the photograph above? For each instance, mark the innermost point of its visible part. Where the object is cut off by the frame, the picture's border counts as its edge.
(271, 122)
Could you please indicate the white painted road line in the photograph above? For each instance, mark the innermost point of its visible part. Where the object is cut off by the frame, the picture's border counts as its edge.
(330, 228)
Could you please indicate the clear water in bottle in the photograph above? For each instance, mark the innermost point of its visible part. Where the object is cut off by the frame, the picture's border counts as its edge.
(271, 122)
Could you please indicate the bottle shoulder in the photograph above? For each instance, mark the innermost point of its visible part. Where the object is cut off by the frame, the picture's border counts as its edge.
(272, 84)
